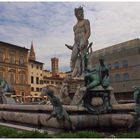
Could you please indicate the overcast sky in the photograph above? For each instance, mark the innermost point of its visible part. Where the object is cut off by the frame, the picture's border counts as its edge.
(50, 26)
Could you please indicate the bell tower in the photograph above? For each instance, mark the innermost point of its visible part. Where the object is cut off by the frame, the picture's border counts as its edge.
(32, 53)
(55, 69)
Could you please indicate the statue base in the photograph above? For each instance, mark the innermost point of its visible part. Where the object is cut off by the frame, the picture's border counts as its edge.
(97, 100)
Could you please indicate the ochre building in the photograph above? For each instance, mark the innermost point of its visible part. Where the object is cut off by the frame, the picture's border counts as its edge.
(14, 67)
(35, 77)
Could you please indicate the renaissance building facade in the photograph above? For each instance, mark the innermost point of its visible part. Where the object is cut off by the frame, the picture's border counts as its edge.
(124, 63)
(35, 77)
(14, 67)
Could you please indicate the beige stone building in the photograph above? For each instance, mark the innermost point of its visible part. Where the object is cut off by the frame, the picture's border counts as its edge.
(47, 73)
(14, 67)
(56, 81)
(35, 73)
(124, 62)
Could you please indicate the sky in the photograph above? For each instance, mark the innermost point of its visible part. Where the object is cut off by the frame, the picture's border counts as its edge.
(50, 26)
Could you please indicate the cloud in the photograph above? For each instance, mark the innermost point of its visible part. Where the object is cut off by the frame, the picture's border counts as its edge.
(50, 26)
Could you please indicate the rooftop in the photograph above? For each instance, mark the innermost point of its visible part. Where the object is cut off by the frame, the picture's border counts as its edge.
(12, 45)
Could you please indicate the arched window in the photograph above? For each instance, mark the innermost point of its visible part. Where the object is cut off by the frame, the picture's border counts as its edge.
(117, 77)
(125, 76)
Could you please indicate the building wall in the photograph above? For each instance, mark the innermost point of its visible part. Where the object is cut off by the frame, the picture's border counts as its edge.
(47, 73)
(35, 77)
(123, 77)
(14, 67)
(56, 81)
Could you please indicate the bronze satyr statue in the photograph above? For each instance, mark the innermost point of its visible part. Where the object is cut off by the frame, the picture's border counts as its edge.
(97, 76)
(97, 82)
(58, 111)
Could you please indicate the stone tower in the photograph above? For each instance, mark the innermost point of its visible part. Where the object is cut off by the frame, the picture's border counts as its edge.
(55, 69)
(32, 53)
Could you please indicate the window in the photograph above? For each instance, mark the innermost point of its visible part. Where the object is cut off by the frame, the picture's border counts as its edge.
(32, 79)
(22, 93)
(125, 63)
(116, 65)
(12, 57)
(21, 60)
(32, 65)
(117, 77)
(37, 89)
(37, 80)
(11, 77)
(40, 67)
(1, 55)
(52, 82)
(37, 66)
(32, 88)
(125, 76)
(22, 78)
(41, 81)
